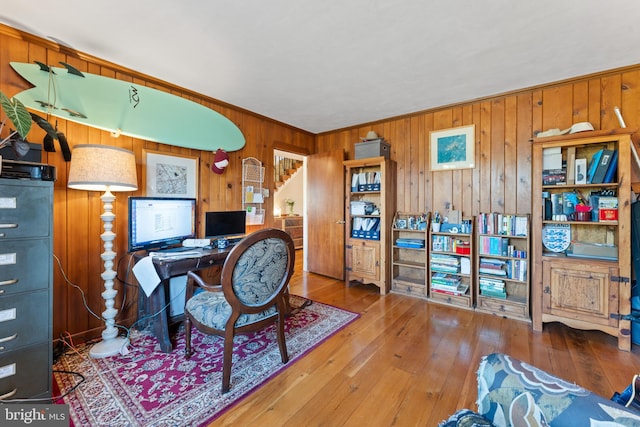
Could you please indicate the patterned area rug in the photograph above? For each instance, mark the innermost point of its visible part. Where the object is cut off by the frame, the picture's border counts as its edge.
(148, 387)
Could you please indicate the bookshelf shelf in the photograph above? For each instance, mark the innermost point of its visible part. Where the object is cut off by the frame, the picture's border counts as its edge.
(503, 265)
(409, 254)
(369, 209)
(451, 268)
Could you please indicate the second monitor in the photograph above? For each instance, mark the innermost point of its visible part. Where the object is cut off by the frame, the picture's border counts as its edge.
(225, 224)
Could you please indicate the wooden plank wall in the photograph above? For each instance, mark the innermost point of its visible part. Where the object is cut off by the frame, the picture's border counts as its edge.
(77, 224)
(501, 180)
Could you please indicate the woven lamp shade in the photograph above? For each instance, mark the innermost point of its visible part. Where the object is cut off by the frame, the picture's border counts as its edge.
(102, 167)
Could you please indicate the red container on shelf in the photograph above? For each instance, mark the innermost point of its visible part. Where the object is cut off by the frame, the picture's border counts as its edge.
(463, 248)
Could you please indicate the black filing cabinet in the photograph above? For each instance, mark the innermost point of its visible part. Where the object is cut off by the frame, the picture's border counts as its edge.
(26, 288)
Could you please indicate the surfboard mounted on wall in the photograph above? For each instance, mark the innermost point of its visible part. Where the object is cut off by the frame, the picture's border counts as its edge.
(126, 108)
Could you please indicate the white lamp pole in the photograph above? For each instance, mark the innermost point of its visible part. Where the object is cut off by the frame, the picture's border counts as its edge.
(105, 168)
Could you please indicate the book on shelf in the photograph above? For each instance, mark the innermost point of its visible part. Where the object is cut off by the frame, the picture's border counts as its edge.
(613, 168)
(492, 287)
(365, 181)
(603, 164)
(554, 176)
(465, 266)
(366, 224)
(409, 243)
(444, 269)
(493, 245)
(493, 293)
(593, 165)
(517, 269)
(445, 281)
(461, 291)
(503, 224)
(361, 207)
(607, 208)
(495, 267)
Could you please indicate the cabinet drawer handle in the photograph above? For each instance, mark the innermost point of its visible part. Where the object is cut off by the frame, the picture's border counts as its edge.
(10, 394)
(9, 338)
(8, 225)
(9, 282)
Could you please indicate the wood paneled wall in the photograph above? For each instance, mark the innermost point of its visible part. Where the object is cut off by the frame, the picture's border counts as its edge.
(501, 179)
(77, 224)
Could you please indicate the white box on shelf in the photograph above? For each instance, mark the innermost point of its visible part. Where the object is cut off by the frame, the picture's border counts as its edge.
(581, 171)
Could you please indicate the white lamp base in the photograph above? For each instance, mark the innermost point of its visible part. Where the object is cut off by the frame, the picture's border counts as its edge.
(108, 348)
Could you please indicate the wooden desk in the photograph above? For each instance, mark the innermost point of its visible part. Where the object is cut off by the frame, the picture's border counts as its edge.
(156, 302)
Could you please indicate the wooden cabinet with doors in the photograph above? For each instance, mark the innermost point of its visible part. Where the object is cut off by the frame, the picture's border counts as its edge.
(582, 260)
(369, 210)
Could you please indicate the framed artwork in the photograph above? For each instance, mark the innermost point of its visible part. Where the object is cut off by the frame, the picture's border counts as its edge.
(170, 175)
(453, 148)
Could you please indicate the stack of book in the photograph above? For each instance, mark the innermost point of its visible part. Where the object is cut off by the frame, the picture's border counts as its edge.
(445, 263)
(409, 243)
(451, 285)
(494, 267)
(492, 288)
(361, 207)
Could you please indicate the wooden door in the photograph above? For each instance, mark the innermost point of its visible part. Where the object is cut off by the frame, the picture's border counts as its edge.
(325, 214)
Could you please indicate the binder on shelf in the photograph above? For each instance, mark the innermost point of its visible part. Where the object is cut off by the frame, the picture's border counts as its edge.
(613, 167)
(593, 164)
(603, 165)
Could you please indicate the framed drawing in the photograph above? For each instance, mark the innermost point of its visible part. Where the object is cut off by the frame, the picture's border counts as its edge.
(453, 148)
(170, 175)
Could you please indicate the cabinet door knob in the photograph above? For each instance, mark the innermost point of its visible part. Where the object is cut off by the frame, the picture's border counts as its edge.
(341, 222)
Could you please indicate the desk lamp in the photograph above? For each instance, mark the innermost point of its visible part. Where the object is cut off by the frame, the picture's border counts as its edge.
(105, 168)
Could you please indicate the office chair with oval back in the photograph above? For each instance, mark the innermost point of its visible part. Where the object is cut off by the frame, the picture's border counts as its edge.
(253, 294)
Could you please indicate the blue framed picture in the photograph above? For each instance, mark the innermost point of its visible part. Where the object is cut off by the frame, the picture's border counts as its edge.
(453, 148)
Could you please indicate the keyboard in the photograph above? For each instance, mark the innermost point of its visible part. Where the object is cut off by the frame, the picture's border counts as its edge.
(175, 255)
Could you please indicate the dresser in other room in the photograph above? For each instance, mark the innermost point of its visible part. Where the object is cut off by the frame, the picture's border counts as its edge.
(293, 225)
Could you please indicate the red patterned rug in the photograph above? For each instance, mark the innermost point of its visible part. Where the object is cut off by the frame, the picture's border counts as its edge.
(148, 387)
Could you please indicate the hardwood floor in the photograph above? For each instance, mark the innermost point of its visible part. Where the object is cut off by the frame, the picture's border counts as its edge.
(408, 362)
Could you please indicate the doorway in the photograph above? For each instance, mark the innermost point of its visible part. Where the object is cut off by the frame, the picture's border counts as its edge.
(290, 195)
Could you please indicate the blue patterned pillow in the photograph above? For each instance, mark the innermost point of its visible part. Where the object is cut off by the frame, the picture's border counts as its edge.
(513, 393)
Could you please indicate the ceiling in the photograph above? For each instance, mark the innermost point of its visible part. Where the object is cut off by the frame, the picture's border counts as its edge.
(326, 65)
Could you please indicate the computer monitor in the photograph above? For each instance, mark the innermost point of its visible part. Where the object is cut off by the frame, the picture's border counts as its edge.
(225, 224)
(160, 222)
